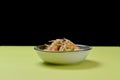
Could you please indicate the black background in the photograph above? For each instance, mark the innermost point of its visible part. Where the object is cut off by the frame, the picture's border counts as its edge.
(89, 26)
(80, 35)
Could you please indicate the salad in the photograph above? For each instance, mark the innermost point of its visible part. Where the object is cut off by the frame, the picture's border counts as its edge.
(61, 45)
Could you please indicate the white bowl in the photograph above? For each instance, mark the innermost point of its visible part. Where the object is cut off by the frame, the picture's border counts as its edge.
(67, 57)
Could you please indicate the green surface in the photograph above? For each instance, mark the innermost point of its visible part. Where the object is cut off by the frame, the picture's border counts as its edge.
(22, 63)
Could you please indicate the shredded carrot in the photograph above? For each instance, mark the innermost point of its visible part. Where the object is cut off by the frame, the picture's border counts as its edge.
(61, 45)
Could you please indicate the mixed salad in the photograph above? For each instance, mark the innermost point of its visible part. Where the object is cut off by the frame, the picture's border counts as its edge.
(61, 45)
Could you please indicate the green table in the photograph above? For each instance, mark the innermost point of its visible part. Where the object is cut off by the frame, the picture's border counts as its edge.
(22, 63)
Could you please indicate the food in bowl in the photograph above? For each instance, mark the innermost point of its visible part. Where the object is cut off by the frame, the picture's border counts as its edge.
(61, 45)
(66, 52)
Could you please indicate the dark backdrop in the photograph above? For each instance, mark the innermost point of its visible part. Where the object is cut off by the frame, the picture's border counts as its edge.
(31, 26)
(79, 35)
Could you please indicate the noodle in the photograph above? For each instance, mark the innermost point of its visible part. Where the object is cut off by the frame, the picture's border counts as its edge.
(61, 45)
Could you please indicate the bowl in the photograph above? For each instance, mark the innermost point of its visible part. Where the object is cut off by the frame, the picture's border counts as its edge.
(63, 57)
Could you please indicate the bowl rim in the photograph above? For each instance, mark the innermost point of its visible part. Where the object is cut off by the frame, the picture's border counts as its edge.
(84, 48)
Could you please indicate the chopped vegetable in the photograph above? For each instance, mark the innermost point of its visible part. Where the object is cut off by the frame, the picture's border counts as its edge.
(61, 45)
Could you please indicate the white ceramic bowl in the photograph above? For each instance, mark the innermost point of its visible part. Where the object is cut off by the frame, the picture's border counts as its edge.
(67, 57)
